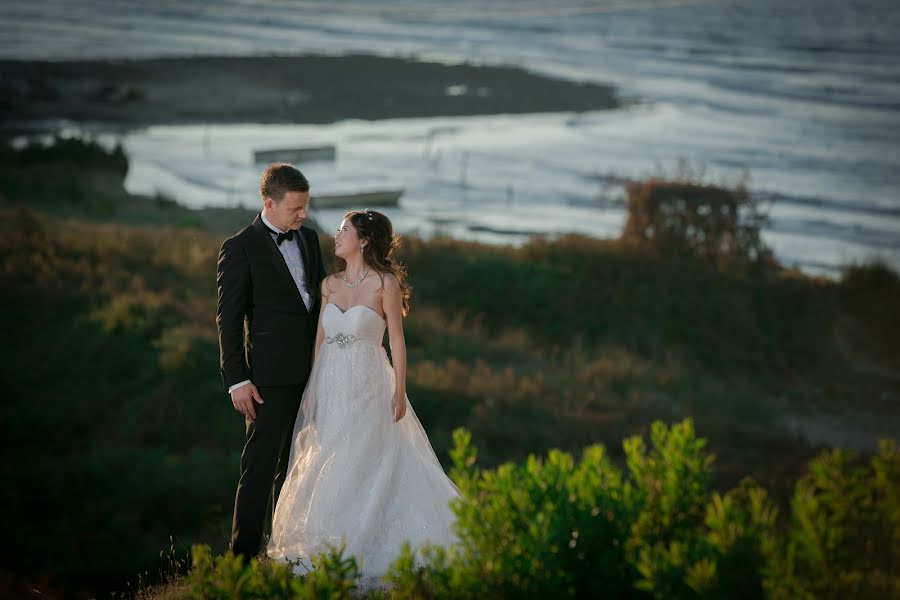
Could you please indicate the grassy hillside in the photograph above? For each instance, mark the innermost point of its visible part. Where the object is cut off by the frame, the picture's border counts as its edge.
(121, 435)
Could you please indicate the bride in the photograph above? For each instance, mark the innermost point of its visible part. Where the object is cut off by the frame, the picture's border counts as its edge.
(361, 467)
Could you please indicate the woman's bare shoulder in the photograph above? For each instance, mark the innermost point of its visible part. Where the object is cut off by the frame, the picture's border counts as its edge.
(391, 283)
(328, 283)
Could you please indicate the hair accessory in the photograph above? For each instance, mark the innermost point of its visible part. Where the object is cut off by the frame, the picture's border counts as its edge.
(368, 213)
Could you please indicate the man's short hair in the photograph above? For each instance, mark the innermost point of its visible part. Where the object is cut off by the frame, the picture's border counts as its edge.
(280, 178)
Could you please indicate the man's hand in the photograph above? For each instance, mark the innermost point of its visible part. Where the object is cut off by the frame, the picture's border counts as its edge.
(243, 398)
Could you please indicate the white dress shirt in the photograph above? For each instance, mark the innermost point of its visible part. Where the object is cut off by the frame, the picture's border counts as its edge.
(290, 250)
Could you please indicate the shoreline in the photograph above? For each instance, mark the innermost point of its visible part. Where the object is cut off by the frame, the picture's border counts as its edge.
(311, 89)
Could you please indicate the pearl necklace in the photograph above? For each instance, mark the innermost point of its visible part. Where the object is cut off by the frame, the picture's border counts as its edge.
(358, 281)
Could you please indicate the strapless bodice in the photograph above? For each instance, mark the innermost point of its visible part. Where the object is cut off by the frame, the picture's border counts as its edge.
(358, 324)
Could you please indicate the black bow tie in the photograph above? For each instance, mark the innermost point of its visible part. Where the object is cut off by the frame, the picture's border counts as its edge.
(287, 235)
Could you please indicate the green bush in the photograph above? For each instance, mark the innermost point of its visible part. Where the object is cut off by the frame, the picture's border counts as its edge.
(65, 174)
(225, 577)
(871, 323)
(556, 528)
(80, 151)
(844, 535)
(718, 225)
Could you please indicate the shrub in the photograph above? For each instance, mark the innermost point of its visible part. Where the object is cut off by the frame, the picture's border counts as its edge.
(65, 174)
(227, 577)
(716, 224)
(81, 151)
(871, 313)
(553, 527)
(556, 528)
(844, 532)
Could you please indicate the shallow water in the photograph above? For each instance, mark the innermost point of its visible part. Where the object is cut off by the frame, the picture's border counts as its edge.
(804, 96)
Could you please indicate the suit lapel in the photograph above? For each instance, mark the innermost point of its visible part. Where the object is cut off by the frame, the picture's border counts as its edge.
(277, 258)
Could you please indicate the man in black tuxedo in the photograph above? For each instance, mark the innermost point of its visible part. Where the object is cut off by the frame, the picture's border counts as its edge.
(268, 279)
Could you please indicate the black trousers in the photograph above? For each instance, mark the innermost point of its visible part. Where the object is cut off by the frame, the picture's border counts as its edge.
(264, 464)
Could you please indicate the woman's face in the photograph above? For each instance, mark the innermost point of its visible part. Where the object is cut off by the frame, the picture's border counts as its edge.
(346, 240)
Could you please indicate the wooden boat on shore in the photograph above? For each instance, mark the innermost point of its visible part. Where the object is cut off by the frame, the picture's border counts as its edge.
(295, 155)
(360, 200)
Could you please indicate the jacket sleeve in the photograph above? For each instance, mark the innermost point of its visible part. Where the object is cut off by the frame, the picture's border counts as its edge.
(233, 285)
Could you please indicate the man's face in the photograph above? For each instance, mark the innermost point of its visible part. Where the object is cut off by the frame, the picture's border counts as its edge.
(289, 212)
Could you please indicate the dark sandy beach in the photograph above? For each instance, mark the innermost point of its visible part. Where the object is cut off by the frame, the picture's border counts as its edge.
(275, 89)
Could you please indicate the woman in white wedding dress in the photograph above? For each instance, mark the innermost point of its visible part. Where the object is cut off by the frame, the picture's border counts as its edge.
(361, 468)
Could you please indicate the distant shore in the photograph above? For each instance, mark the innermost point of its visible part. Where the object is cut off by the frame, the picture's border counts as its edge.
(275, 89)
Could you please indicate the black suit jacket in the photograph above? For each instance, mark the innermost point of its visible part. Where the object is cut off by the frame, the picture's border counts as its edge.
(266, 334)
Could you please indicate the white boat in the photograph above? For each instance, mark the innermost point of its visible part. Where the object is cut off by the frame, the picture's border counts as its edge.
(294, 155)
(360, 200)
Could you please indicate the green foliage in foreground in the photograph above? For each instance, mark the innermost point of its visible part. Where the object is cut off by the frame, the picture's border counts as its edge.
(227, 577)
(555, 527)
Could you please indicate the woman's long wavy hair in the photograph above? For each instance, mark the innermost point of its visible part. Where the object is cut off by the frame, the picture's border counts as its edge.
(378, 253)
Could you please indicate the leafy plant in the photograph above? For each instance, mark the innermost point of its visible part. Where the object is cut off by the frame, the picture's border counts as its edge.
(225, 577)
(844, 530)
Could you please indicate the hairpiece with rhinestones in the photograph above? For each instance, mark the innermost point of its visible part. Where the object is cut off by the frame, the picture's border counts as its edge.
(368, 213)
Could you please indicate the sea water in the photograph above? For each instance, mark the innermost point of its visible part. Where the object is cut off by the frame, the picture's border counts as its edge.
(804, 96)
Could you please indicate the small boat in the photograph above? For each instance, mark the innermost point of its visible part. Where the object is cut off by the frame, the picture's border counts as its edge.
(294, 155)
(360, 200)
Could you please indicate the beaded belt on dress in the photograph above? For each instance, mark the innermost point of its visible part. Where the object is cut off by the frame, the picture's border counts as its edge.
(342, 339)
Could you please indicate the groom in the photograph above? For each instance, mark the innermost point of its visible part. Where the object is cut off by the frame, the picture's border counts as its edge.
(268, 280)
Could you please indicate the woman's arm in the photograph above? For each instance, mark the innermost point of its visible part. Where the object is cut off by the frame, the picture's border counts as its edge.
(392, 303)
(320, 332)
